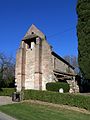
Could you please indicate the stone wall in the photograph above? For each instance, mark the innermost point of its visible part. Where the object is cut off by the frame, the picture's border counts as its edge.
(74, 88)
(30, 68)
(18, 70)
(33, 30)
(60, 65)
(38, 64)
(47, 64)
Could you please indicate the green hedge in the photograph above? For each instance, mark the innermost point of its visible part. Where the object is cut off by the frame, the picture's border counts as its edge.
(6, 91)
(58, 98)
(55, 86)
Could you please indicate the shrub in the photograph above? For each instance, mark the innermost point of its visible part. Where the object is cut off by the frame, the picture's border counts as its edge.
(6, 91)
(57, 85)
(58, 98)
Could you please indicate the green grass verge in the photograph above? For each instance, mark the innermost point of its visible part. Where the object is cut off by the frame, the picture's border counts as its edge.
(59, 98)
(28, 111)
(6, 91)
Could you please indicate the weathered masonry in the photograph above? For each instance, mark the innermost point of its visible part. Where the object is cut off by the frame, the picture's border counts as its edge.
(37, 64)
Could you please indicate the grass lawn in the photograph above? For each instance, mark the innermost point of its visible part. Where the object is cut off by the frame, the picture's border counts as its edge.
(28, 111)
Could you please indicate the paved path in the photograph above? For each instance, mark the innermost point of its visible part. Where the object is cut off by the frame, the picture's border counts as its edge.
(5, 117)
(4, 100)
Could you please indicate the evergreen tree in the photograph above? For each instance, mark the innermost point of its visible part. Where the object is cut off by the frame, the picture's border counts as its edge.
(83, 32)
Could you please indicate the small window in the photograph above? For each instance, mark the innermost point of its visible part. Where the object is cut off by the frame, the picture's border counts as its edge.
(32, 32)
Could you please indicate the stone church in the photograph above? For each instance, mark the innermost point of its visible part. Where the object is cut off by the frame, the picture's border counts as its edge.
(37, 64)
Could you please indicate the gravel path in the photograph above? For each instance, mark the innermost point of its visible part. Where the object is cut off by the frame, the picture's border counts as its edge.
(58, 106)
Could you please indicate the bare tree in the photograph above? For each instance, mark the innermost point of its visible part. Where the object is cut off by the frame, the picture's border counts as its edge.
(73, 60)
(7, 67)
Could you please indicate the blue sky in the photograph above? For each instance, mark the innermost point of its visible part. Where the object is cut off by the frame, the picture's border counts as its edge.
(57, 19)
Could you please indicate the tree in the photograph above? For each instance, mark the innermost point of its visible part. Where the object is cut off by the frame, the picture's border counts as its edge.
(7, 68)
(83, 33)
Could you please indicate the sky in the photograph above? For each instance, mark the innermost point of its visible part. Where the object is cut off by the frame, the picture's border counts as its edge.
(57, 19)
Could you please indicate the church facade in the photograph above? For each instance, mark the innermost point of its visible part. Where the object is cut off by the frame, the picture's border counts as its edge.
(37, 64)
